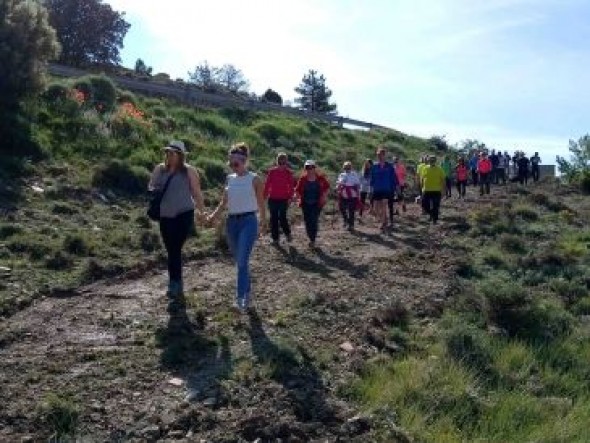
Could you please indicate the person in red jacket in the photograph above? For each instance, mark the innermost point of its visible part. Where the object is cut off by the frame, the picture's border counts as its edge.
(484, 169)
(462, 175)
(278, 189)
(312, 194)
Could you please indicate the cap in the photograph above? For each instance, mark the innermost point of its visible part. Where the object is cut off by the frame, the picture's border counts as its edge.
(309, 163)
(176, 145)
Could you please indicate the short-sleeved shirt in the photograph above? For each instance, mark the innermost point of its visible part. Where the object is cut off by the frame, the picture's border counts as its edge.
(432, 179)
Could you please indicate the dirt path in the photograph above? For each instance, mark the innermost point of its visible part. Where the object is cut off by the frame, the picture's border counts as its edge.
(205, 375)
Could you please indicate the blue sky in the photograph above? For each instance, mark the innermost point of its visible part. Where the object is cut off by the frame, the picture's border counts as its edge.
(512, 73)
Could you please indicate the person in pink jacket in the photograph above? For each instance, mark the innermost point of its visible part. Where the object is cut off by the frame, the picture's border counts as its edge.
(400, 172)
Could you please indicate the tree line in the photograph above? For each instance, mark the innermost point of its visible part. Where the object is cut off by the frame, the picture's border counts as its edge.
(91, 33)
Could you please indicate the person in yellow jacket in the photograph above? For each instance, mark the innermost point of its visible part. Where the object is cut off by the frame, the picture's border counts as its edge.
(419, 170)
(432, 180)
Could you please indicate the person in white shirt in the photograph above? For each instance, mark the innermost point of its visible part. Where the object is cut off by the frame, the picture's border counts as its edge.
(348, 187)
(244, 199)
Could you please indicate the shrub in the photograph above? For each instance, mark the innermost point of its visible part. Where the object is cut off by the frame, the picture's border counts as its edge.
(396, 315)
(585, 182)
(504, 299)
(512, 243)
(582, 306)
(104, 93)
(494, 259)
(59, 261)
(569, 290)
(544, 200)
(61, 414)
(8, 230)
(76, 245)
(270, 131)
(127, 97)
(526, 213)
(470, 346)
(64, 209)
(159, 111)
(149, 241)
(213, 125)
(121, 176)
(214, 171)
(56, 92)
(544, 321)
(84, 86)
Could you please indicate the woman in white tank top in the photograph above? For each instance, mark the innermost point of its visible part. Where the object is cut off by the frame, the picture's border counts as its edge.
(243, 197)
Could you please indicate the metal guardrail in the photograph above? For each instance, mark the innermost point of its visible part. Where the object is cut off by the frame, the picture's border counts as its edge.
(191, 96)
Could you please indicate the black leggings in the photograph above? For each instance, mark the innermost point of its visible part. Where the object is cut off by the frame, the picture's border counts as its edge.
(278, 216)
(432, 204)
(311, 216)
(347, 209)
(174, 232)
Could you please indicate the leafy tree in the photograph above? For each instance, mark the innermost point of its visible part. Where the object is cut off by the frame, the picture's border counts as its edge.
(226, 78)
(314, 95)
(90, 31)
(231, 79)
(142, 69)
(578, 167)
(204, 77)
(27, 43)
(469, 145)
(439, 142)
(271, 96)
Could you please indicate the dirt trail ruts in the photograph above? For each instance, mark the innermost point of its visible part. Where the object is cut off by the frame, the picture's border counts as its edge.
(138, 374)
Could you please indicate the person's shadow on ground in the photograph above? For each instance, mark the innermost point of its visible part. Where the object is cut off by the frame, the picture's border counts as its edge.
(188, 353)
(294, 369)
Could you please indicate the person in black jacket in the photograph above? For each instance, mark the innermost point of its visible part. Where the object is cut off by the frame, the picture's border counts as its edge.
(523, 169)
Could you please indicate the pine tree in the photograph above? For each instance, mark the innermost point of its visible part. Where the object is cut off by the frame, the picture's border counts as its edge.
(314, 95)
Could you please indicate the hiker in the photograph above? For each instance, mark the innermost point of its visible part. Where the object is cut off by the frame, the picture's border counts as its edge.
(400, 173)
(462, 175)
(419, 169)
(473, 167)
(244, 198)
(278, 189)
(447, 167)
(507, 164)
(535, 167)
(515, 158)
(181, 189)
(312, 194)
(433, 183)
(384, 184)
(484, 169)
(348, 187)
(365, 179)
(495, 160)
(523, 169)
(502, 170)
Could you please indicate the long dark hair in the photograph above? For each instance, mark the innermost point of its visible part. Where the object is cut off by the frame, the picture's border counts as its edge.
(367, 167)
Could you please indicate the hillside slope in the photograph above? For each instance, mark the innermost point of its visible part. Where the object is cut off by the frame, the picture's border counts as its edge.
(462, 331)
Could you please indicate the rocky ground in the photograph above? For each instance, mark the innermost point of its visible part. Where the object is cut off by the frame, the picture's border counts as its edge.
(130, 372)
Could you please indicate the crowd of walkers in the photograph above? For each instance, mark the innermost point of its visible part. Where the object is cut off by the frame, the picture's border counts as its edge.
(380, 189)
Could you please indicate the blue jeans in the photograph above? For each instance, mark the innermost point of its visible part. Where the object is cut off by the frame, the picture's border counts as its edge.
(242, 232)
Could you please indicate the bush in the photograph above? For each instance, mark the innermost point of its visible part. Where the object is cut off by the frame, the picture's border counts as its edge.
(214, 171)
(76, 245)
(585, 182)
(512, 243)
(127, 97)
(569, 290)
(213, 125)
(504, 300)
(84, 86)
(494, 259)
(582, 306)
(159, 111)
(59, 261)
(121, 176)
(470, 346)
(8, 230)
(56, 92)
(104, 93)
(64, 209)
(149, 241)
(60, 414)
(270, 131)
(526, 213)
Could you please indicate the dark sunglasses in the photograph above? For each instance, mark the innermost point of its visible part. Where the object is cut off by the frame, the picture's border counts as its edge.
(309, 167)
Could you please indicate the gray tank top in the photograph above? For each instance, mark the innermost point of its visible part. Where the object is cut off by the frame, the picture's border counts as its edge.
(178, 198)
